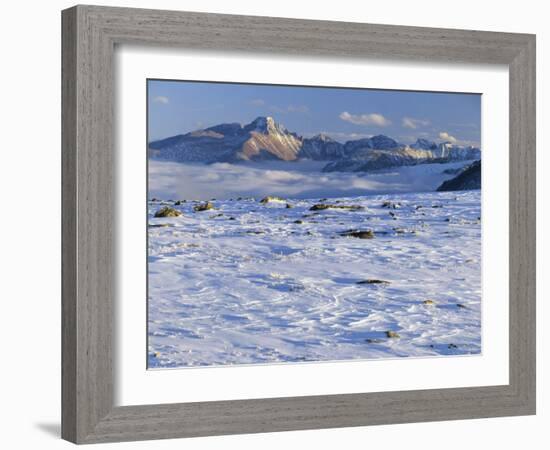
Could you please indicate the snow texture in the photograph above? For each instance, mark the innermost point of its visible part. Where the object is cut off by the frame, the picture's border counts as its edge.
(250, 282)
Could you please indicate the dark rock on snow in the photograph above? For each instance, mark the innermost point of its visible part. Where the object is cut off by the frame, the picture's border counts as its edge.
(468, 179)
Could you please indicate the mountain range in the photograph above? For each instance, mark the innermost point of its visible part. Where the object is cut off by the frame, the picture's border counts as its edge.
(263, 139)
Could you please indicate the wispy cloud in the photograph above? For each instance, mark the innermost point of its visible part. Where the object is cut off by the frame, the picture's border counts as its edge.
(365, 119)
(413, 124)
(161, 99)
(447, 137)
(257, 102)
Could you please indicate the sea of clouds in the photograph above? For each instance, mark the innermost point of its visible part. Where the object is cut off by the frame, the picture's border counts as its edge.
(172, 180)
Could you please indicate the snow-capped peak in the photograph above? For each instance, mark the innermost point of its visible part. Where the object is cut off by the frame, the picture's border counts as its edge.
(265, 125)
(322, 137)
(424, 144)
(382, 142)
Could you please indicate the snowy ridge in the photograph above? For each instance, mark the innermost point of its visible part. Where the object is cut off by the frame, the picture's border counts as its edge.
(467, 179)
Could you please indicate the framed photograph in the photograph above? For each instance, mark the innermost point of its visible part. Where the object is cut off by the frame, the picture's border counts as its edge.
(267, 229)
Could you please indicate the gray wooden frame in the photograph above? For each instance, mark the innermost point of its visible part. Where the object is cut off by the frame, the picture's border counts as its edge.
(89, 37)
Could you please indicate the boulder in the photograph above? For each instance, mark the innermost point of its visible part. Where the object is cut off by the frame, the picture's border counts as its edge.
(203, 207)
(360, 234)
(323, 206)
(271, 198)
(167, 211)
(373, 281)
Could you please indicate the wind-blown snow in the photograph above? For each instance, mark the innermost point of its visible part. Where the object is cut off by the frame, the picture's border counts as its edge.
(248, 283)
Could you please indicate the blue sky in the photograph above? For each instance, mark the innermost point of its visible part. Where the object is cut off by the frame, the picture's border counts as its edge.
(177, 107)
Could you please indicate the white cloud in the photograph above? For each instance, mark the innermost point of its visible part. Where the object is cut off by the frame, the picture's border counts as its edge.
(291, 180)
(413, 124)
(257, 102)
(161, 99)
(447, 137)
(365, 119)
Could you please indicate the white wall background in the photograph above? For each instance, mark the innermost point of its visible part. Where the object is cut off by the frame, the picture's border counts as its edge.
(31, 238)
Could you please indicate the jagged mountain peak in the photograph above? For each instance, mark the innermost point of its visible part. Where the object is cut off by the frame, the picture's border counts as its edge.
(378, 142)
(424, 144)
(381, 141)
(322, 137)
(265, 124)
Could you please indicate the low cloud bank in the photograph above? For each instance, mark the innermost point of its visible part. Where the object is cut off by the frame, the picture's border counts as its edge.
(293, 180)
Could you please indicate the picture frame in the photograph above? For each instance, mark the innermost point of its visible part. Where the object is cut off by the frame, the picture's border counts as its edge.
(90, 34)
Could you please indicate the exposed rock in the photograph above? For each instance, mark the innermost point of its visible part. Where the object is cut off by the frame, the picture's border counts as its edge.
(392, 334)
(271, 198)
(360, 234)
(468, 179)
(203, 207)
(299, 222)
(429, 302)
(167, 211)
(391, 205)
(322, 206)
(160, 225)
(452, 171)
(373, 281)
